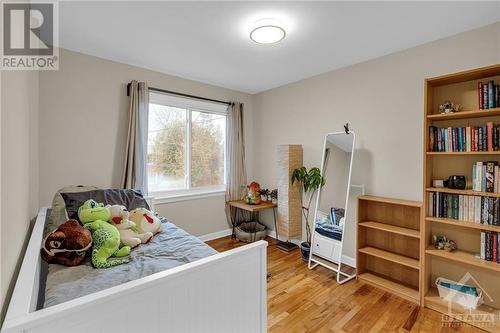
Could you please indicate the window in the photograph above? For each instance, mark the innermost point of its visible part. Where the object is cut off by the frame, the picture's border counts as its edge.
(186, 146)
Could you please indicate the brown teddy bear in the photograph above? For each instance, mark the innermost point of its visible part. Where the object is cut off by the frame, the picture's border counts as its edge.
(67, 245)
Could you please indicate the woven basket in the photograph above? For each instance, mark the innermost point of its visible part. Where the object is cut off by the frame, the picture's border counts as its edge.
(251, 231)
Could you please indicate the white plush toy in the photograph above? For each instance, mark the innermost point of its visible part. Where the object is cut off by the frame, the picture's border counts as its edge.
(145, 220)
(129, 233)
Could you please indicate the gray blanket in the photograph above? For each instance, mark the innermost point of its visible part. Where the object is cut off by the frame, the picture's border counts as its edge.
(170, 248)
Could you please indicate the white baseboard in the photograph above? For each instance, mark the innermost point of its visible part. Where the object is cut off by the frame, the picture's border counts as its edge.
(215, 235)
(349, 261)
(345, 259)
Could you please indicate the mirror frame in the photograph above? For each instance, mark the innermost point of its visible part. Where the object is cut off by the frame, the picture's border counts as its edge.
(318, 196)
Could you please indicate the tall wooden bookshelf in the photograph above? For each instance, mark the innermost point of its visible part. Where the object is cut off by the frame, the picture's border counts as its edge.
(460, 88)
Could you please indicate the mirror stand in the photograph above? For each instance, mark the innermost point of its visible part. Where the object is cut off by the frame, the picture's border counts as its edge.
(330, 217)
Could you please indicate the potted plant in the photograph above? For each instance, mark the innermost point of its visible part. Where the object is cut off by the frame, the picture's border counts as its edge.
(274, 196)
(311, 181)
(264, 194)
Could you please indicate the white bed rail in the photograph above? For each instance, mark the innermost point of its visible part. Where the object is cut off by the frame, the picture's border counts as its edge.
(225, 292)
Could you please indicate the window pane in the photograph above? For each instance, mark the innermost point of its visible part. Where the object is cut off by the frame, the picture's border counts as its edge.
(207, 149)
(166, 148)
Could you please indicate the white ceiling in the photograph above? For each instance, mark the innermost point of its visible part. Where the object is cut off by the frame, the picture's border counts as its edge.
(208, 41)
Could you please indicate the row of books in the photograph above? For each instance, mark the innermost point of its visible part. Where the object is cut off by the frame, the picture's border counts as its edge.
(489, 95)
(486, 177)
(465, 139)
(489, 246)
(469, 208)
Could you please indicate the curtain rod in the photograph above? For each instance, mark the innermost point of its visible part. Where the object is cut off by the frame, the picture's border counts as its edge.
(183, 95)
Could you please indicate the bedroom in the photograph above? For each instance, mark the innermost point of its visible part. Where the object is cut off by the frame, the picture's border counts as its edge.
(361, 63)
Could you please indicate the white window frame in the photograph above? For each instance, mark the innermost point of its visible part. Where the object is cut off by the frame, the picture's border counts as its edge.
(190, 105)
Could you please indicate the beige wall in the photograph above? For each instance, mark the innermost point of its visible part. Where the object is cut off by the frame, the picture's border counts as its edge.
(381, 99)
(204, 216)
(19, 169)
(83, 119)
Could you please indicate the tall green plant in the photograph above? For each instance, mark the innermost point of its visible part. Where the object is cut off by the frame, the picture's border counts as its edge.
(311, 181)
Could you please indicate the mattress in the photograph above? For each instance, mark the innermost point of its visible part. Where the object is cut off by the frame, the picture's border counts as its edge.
(170, 248)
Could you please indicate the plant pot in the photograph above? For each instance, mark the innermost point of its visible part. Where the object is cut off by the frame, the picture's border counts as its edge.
(305, 249)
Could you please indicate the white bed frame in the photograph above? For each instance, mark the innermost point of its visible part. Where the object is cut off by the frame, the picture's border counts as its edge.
(225, 292)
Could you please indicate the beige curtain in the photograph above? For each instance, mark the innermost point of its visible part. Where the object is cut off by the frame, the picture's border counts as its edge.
(236, 174)
(135, 172)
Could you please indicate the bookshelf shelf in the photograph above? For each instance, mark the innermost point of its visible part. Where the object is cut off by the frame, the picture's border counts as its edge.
(391, 286)
(465, 115)
(391, 228)
(392, 201)
(464, 257)
(463, 192)
(390, 256)
(461, 88)
(464, 224)
(464, 153)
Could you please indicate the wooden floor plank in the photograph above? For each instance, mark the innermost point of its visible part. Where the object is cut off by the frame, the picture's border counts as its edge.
(303, 300)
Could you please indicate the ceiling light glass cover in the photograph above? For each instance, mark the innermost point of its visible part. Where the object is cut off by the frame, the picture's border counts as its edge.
(267, 33)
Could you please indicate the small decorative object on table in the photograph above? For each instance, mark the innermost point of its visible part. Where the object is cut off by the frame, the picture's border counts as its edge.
(449, 107)
(442, 243)
(264, 193)
(253, 194)
(274, 196)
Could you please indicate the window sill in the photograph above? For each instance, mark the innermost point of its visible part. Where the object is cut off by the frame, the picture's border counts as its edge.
(163, 199)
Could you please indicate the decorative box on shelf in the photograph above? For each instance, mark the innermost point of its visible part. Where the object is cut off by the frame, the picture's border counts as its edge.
(455, 292)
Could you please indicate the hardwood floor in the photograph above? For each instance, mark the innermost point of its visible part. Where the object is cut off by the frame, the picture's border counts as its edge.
(302, 300)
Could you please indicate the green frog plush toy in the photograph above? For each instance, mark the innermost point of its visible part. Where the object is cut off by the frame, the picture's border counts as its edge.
(105, 237)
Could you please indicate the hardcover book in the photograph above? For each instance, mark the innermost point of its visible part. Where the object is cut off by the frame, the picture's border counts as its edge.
(482, 252)
(432, 138)
(490, 176)
(480, 94)
(487, 246)
(489, 131)
(495, 248)
(477, 215)
(497, 95)
(491, 95)
(485, 96)
(480, 139)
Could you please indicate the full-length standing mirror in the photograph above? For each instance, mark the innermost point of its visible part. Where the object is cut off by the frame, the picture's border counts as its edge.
(331, 204)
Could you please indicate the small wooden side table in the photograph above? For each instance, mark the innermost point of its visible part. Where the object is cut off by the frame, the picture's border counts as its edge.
(254, 209)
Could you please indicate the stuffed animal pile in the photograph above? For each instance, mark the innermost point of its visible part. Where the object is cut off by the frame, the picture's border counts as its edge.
(110, 230)
(130, 235)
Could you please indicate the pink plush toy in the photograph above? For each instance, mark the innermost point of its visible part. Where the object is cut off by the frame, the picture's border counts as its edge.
(129, 233)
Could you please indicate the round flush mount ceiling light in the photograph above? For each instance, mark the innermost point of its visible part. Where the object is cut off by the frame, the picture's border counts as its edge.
(267, 32)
